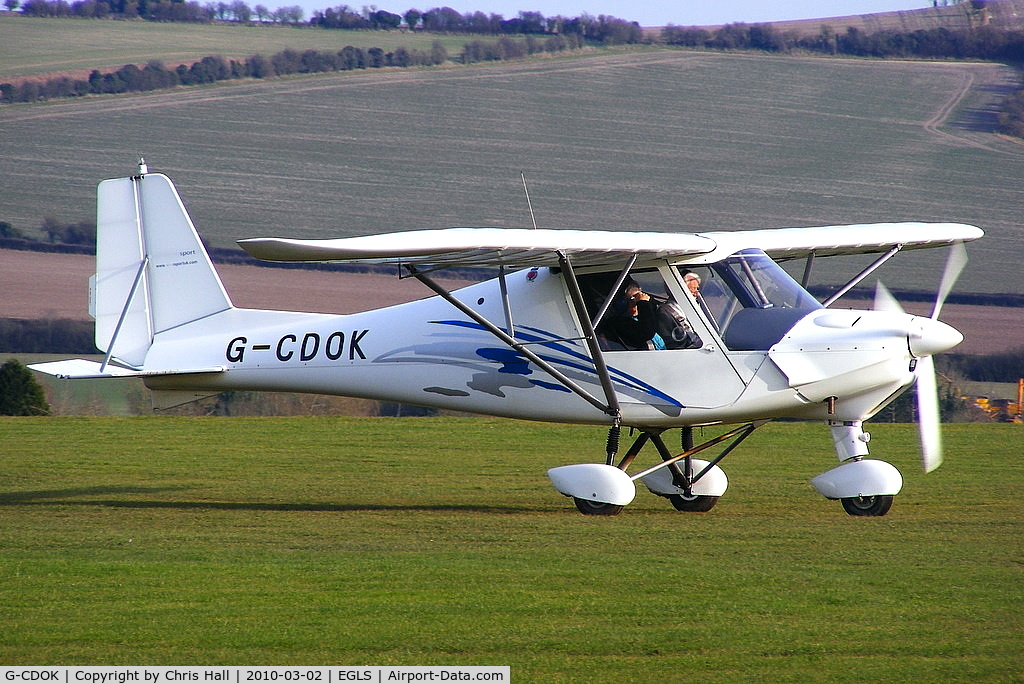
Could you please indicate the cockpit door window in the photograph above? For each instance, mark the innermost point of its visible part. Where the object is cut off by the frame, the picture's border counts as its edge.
(642, 313)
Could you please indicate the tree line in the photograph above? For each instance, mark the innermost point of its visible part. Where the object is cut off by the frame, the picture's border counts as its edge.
(60, 336)
(157, 10)
(21, 394)
(507, 48)
(1000, 367)
(603, 28)
(983, 42)
(156, 76)
(82, 233)
(47, 336)
(1010, 117)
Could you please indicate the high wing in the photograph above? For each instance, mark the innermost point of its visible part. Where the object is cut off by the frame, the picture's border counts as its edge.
(796, 243)
(512, 247)
(519, 247)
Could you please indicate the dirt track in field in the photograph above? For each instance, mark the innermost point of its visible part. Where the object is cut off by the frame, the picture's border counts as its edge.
(35, 285)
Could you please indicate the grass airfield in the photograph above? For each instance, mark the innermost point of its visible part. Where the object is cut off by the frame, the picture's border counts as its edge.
(350, 541)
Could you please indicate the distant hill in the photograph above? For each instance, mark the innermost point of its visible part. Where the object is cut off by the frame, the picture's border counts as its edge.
(1004, 14)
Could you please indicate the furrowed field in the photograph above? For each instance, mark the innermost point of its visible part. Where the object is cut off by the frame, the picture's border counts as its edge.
(651, 139)
(30, 45)
(440, 541)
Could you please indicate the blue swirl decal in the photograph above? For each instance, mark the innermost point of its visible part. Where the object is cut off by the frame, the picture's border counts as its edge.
(513, 363)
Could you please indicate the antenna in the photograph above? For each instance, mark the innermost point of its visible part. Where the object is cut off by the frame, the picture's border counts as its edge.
(528, 202)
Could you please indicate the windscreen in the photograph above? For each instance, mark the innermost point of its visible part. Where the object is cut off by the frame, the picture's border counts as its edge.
(749, 299)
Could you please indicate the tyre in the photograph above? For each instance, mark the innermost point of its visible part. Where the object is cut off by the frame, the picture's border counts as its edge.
(693, 504)
(868, 505)
(588, 507)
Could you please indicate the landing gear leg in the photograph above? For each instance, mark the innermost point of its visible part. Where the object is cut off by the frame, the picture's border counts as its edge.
(687, 502)
(603, 489)
(864, 486)
(589, 507)
(692, 484)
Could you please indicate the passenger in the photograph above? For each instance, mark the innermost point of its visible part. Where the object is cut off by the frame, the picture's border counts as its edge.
(692, 281)
(635, 322)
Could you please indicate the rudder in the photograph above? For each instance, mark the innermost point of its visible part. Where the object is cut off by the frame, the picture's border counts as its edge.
(152, 271)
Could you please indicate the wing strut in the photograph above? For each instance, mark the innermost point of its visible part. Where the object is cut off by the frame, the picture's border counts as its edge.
(515, 345)
(596, 355)
(615, 288)
(862, 275)
(807, 270)
(503, 286)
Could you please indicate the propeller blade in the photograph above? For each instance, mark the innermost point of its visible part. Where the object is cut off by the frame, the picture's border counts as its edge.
(884, 301)
(954, 265)
(928, 414)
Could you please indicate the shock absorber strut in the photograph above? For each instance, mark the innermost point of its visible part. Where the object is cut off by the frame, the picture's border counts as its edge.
(612, 445)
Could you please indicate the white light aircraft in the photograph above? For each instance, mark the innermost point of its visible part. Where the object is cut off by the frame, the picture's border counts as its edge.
(645, 330)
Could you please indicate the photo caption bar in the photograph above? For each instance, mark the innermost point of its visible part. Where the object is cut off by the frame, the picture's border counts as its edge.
(252, 675)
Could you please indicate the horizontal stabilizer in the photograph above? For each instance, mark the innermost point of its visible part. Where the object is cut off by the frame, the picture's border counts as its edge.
(82, 369)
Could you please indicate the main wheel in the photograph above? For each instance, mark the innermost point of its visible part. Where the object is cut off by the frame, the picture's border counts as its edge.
(588, 507)
(693, 504)
(868, 505)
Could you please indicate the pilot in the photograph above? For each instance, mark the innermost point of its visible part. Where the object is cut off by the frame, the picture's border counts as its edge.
(635, 324)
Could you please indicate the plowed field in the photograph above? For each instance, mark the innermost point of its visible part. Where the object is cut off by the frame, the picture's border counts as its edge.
(56, 286)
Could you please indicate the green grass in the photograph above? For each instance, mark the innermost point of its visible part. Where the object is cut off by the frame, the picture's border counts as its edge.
(31, 45)
(440, 541)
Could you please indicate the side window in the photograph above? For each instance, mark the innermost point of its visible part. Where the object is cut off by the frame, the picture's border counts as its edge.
(640, 314)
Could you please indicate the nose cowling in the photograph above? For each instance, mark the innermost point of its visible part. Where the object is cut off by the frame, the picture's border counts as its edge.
(928, 336)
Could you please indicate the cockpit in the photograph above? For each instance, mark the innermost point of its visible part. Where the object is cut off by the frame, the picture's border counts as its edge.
(747, 300)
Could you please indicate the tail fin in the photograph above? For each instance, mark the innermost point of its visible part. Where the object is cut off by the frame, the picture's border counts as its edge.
(152, 271)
